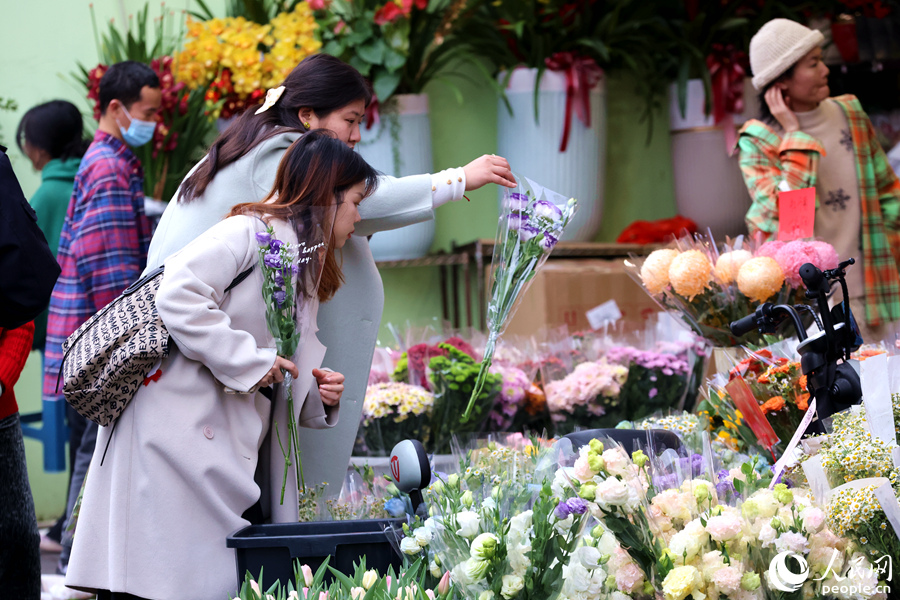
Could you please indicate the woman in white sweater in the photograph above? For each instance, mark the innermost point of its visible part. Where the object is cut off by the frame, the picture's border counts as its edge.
(179, 471)
(321, 92)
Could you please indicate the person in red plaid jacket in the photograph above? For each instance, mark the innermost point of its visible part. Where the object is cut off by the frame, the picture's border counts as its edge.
(807, 139)
(105, 236)
(20, 556)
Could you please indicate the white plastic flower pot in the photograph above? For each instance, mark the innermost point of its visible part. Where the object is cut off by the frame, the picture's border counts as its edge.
(709, 187)
(399, 145)
(532, 148)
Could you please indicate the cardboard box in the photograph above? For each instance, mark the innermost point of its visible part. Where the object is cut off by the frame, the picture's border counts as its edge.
(564, 291)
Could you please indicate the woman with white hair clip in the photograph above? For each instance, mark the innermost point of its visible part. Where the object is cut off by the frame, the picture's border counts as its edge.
(805, 138)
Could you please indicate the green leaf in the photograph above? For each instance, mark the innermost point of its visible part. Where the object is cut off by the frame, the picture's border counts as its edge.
(385, 84)
(372, 52)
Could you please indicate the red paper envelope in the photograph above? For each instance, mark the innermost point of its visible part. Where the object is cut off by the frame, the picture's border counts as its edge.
(745, 402)
(796, 214)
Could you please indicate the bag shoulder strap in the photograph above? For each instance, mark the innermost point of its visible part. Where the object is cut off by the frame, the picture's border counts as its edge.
(239, 279)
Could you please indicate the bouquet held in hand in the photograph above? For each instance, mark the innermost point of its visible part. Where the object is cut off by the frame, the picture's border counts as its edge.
(532, 220)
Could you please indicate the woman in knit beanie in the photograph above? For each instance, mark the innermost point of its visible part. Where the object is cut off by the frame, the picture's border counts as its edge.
(805, 138)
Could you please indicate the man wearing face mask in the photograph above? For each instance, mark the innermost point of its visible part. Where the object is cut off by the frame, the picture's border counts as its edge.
(105, 236)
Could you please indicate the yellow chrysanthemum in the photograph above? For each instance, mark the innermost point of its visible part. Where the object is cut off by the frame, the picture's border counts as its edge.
(689, 273)
(729, 264)
(759, 278)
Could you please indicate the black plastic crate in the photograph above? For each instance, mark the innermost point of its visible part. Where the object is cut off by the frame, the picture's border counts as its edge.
(274, 547)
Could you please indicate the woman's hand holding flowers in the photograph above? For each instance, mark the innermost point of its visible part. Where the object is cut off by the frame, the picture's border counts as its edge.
(488, 169)
(276, 373)
(331, 386)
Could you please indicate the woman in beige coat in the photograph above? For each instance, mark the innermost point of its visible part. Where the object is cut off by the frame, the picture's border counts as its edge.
(321, 92)
(176, 475)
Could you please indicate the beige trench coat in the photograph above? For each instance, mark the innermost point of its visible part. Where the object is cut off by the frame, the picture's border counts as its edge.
(179, 470)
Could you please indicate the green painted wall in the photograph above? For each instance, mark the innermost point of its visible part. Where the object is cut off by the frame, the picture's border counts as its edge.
(39, 50)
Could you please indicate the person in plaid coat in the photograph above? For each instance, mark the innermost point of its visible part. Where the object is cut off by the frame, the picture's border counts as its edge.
(807, 139)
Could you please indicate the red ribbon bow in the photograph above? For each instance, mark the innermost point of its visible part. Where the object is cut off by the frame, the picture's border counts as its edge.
(372, 115)
(155, 377)
(582, 74)
(727, 70)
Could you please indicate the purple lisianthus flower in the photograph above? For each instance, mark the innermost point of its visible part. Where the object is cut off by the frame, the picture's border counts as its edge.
(276, 245)
(263, 238)
(724, 487)
(272, 260)
(517, 201)
(279, 279)
(562, 510)
(516, 220)
(547, 210)
(578, 506)
(652, 393)
(526, 232)
(548, 242)
(279, 297)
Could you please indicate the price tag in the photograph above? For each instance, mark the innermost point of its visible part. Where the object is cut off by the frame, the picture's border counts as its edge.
(796, 214)
(608, 312)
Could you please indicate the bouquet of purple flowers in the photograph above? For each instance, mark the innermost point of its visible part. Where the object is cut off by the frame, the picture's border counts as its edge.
(532, 220)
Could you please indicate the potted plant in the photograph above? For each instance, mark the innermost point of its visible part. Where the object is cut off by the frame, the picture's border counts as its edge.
(401, 46)
(551, 56)
(710, 95)
(183, 122)
(237, 59)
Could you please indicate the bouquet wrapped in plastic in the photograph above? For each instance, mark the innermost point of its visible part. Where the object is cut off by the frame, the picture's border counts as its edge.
(709, 287)
(532, 219)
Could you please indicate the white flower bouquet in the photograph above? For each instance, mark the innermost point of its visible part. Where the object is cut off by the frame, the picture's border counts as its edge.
(532, 219)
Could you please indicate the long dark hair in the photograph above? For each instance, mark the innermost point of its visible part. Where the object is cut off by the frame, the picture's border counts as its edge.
(765, 115)
(320, 82)
(315, 170)
(55, 127)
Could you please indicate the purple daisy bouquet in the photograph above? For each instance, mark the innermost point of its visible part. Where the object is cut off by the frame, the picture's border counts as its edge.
(532, 219)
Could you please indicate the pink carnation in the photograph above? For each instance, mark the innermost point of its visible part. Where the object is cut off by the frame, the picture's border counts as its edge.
(769, 249)
(727, 579)
(828, 256)
(792, 256)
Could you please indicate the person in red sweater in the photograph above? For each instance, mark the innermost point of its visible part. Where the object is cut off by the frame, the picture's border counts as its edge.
(20, 557)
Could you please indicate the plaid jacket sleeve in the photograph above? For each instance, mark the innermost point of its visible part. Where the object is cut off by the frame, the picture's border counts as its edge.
(107, 244)
(765, 161)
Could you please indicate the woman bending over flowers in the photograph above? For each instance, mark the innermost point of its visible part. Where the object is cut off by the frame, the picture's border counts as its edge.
(194, 456)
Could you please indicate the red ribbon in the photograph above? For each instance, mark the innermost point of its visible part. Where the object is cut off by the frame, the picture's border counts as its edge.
(582, 74)
(727, 71)
(372, 116)
(155, 377)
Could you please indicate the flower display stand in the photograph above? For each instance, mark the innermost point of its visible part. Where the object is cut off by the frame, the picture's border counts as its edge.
(709, 187)
(533, 147)
(400, 145)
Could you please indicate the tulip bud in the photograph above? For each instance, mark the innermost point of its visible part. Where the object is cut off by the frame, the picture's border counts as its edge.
(369, 578)
(443, 587)
(307, 575)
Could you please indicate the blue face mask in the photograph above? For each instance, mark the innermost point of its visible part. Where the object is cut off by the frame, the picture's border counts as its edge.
(139, 132)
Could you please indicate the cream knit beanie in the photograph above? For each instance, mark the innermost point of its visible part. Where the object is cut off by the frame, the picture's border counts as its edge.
(777, 46)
